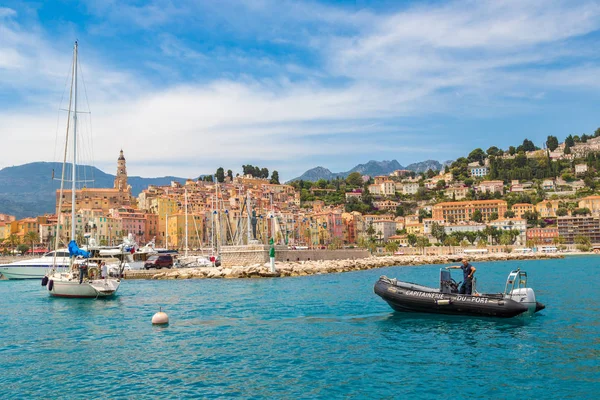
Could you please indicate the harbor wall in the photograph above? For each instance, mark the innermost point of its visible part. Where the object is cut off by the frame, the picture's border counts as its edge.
(259, 254)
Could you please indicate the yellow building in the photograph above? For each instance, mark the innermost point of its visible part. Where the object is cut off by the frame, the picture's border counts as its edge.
(414, 228)
(547, 208)
(521, 208)
(458, 211)
(176, 225)
(591, 202)
(163, 206)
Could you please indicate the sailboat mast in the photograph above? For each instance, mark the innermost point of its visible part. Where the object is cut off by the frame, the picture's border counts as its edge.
(186, 223)
(74, 163)
(167, 231)
(248, 234)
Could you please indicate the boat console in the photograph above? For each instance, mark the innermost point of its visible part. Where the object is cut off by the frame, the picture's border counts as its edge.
(447, 284)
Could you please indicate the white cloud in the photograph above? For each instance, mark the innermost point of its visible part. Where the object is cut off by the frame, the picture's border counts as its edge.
(371, 71)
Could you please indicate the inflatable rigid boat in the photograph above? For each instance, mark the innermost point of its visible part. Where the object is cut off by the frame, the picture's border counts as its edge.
(517, 298)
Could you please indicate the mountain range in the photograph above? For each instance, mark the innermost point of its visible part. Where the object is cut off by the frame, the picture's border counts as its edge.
(28, 190)
(372, 168)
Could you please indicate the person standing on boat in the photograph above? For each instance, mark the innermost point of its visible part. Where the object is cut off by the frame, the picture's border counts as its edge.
(82, 271)
(468, 271)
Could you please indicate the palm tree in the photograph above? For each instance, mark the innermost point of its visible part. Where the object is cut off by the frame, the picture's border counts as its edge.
(32, 237)
(13, 241)
(391, 246)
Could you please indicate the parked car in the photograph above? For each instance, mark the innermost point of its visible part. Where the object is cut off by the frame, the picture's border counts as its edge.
(159, 261)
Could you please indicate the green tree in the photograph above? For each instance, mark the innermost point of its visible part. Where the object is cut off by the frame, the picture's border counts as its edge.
(552, 142)
(422, 242)
(505, 238)
(438, 232)
(471, 237)
(528, 145)
(424, 214)
(567, 149)
(569, 141)
(512, 150)
(22, 249)
(13, 241)
(494, 216)
(509, 214)
(370, 231)
(412, 239)
(230, 174)
(391, 247)
(32, 237)
(531, 217)
(561, 211)
(440, 185)
(476, 155)
(275, 178)
(581, 211)
(264, 173)
(354, 179)
(493, 151)
(220, 175)
(477, 216)
(400, 211)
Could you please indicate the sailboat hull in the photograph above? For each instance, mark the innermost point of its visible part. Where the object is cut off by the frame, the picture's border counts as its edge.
(88, 289)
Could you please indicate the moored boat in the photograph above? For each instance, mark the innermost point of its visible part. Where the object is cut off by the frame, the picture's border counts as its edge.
(82, 279)
(35, 268)
(517, 298)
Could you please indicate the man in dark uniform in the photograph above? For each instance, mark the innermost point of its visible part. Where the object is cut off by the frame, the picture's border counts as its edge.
(468, 271)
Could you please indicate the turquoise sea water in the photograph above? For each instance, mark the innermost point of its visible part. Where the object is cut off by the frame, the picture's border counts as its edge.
(325, 336)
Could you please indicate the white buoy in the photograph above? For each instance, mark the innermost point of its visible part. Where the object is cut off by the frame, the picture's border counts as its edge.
(160, 318)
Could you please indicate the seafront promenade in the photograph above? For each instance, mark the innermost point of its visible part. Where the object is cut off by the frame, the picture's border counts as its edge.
(303, 268)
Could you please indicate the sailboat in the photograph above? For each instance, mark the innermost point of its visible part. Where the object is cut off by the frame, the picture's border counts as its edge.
(66, 282)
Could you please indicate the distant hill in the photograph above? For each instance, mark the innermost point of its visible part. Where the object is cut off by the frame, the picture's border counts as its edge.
(372, 168)
(28, 190)
(424, 166)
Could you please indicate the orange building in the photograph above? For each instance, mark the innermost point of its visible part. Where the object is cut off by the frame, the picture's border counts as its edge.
(457, 211)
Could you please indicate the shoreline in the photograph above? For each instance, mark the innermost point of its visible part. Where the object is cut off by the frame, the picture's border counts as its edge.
(305, 268)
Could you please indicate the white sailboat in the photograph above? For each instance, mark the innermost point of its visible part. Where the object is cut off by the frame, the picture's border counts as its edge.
(66, 282)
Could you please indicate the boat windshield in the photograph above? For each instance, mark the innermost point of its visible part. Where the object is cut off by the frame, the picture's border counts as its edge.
(58, 254)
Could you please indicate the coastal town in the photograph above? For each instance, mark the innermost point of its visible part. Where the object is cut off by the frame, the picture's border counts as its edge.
(520, 199)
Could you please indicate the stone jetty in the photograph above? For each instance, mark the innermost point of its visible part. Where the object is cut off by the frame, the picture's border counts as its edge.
(303, 268)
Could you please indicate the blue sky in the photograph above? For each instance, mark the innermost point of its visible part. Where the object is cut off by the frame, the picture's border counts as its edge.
(187, 86)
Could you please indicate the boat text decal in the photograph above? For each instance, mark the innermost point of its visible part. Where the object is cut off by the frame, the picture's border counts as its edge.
(473, 299)
(425, 294)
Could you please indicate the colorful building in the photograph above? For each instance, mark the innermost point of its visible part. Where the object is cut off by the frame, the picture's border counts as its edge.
(452, 212)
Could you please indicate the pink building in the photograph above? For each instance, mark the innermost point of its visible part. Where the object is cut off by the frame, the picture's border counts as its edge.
(134, 222)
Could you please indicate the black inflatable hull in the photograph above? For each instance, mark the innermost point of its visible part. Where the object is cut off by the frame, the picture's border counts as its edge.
(408, 300)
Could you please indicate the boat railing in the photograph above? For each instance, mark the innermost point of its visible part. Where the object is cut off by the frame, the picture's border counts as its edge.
(516, 280)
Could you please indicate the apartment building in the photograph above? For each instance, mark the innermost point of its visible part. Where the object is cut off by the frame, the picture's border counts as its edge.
(573, 226)
(452, 212)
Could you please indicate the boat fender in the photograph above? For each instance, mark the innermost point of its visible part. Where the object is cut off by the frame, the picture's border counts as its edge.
(44, 281)
(50, 284)
(443, 302)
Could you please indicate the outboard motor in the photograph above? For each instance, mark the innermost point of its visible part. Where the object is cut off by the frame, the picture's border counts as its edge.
(447, 284)
(516, 289)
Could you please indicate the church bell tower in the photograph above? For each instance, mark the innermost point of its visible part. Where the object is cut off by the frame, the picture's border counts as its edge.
(121, 178)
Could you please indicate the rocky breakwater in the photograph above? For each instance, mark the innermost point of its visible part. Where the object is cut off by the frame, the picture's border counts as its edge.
(304, 268)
